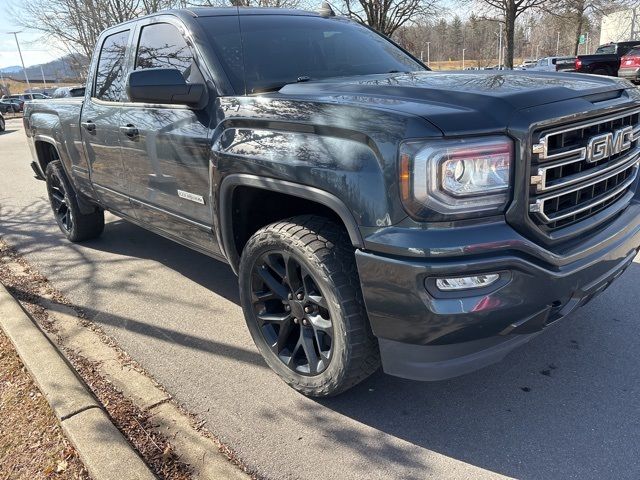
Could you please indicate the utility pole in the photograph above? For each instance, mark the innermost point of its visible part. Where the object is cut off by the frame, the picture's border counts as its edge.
(558, 45)
(428, 54)
(26, 77)
(463, 50)
(500, 48)
(44, 80)
(538, 51)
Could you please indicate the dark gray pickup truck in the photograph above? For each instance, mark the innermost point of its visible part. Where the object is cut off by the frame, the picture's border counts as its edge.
(374, 211)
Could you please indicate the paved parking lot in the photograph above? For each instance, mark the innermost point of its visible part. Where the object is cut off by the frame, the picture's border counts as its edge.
(565, 406)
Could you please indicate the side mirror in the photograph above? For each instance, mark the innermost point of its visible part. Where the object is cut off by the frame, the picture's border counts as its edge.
(163, 86)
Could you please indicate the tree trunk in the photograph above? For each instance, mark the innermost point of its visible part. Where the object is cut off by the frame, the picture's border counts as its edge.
(509, 30)
(579, 24)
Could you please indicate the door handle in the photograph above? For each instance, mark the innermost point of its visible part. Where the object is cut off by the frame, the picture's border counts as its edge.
(130, 131)
(89, 126)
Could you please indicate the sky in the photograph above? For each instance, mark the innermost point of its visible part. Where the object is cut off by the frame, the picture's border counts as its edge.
(34, 51)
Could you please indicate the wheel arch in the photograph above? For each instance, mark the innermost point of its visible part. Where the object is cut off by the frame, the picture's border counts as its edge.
(46, 151)
(326, 202)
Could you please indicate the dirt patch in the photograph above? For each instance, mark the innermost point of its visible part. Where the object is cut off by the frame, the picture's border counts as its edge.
(32, 444)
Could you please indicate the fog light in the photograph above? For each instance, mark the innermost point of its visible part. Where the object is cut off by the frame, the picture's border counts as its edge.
(464, 283)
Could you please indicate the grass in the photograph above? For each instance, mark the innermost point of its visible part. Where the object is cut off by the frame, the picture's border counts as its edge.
(32, 445)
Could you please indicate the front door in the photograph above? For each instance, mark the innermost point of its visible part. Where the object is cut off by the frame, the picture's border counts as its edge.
(100, 121)
(166, 148)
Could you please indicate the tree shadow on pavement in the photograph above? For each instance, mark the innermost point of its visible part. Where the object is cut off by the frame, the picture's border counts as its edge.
(564, 406)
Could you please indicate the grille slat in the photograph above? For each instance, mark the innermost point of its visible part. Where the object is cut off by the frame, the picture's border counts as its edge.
(580, 170)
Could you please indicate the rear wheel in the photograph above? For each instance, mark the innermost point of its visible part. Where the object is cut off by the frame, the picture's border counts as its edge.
(2, 124)
(300, 293)
(75, 225)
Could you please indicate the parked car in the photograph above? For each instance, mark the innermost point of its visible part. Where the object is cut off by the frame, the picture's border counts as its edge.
(374, 211)
(554, 64)
(11, 105)
(527, 64)
(606, 60)
(630, 65)
(65, 92)
(26, 96)
(3, 125)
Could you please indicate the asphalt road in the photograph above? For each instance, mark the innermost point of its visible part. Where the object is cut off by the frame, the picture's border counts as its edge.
(567, 405)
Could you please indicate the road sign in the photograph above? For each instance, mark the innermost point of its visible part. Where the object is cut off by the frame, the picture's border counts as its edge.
(581, 42)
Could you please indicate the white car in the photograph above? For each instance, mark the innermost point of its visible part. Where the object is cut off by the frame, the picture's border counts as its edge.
(553, 64)
(528, 64)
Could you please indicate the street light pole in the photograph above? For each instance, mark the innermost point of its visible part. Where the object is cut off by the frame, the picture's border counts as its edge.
(44, 80)
(26, 77)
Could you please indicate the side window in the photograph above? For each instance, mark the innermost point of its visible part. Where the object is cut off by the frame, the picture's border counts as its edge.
(161, 45)
(111, 67)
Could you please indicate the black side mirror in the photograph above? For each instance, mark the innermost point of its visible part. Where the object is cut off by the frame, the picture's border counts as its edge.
(164, 86)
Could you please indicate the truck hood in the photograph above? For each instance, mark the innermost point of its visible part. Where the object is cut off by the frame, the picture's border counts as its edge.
(458, 102)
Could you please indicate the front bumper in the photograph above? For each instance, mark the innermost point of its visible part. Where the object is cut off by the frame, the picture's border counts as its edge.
(425, 335)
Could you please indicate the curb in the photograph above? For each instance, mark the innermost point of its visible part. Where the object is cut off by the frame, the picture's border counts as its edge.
(105, 452)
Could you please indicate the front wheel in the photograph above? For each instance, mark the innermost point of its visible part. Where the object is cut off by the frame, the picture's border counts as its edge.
(2, 124)
(75, 225)
(301, 298)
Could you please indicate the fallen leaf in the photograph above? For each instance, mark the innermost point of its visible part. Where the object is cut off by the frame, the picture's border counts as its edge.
(62, 466)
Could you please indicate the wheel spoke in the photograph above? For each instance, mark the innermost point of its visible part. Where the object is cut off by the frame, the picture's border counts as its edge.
(318, 300)
(264, 296)
(272, 283)
(267, 317)
(321, 324)
(290, 362)
(286, 328)
(307, 338)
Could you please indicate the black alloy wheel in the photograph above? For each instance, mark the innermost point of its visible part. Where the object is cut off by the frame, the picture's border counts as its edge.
(77, 224)
(301, 298)
(60, 202)
(292, 312)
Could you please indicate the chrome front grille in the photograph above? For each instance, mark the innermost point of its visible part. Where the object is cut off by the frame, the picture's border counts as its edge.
(580, 170)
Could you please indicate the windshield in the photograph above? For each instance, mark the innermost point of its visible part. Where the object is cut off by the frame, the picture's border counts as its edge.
(278, 49)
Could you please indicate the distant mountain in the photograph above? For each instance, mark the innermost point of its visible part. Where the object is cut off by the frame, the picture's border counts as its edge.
(13, 69)
(67, 68)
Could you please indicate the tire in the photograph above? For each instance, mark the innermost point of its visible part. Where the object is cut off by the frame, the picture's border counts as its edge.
(329, 346)
(601, 71)
(3, 126)
(75, 225)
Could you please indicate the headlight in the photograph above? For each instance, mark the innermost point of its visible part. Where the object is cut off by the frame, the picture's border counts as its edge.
(456, 176)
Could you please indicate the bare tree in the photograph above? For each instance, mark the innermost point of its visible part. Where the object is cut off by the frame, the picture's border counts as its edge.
(387, 16)
(508, 12)
(76, 24)
(578, 12)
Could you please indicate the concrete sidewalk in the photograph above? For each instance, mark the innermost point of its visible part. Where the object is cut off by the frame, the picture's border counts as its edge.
(102, 448)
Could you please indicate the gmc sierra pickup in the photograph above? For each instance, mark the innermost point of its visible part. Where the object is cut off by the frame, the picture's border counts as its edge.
(374, 211)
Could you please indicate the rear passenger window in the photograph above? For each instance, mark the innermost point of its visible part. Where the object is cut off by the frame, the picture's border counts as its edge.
(111, 67)
(161, 45)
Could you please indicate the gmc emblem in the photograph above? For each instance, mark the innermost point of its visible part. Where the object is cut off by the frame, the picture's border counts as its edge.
(607, 144)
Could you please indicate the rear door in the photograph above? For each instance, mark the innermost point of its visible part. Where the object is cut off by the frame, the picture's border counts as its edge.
(100, 120)
(167, 156)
